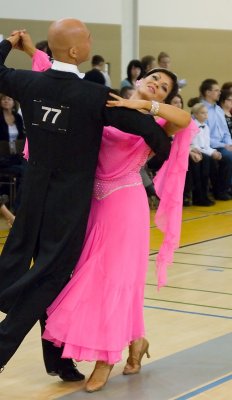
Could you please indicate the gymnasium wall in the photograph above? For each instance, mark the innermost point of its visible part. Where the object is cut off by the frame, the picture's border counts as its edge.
(196, 34)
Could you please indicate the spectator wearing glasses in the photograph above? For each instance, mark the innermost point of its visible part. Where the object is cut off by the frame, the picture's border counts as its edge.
(220, 138)
(225, 102)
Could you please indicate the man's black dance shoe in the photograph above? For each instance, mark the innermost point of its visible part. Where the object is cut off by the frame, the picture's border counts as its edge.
(67, 371)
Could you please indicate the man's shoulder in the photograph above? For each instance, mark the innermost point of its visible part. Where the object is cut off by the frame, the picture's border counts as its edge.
(95, 76)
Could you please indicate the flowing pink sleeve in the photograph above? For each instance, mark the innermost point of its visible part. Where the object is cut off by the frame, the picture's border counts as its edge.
(169, 185)
(40, 62)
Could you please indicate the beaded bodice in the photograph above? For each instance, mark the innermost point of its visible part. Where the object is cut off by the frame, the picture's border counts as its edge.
(120, 159)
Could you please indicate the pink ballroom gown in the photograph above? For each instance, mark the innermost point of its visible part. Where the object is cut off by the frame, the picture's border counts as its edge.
(100, 311)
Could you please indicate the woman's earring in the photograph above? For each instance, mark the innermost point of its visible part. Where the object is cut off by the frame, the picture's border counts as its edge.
(137, 83)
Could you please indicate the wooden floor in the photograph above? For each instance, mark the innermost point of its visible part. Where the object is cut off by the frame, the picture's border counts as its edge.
(195, 309)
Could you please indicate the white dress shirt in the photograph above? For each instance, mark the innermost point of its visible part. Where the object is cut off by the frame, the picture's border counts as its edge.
(65, 67)
(202, 139)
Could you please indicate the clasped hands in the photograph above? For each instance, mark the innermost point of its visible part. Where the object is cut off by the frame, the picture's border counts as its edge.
(21, 40)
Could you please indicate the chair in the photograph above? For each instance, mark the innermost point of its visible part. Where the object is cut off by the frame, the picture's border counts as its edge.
(8, 177)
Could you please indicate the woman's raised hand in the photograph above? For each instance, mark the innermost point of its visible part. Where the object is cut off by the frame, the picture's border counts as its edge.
(128, 103)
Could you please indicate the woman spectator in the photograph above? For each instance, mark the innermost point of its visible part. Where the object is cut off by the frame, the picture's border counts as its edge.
(177, 101)
(134, 72)
(225, 102)
(11, 126)
(11, 130)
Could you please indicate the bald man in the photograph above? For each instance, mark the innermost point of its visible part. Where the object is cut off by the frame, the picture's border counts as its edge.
(64, 118)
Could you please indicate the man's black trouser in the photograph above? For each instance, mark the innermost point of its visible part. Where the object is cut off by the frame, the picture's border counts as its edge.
(29, 307)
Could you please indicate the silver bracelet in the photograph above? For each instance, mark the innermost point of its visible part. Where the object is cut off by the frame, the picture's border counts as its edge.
(154, 108)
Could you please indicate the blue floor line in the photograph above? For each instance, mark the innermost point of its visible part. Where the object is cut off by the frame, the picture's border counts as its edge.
(204, 388)
(189, 312)
(180, 376)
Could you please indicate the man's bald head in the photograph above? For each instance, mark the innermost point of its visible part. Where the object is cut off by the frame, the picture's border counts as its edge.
(69, 41)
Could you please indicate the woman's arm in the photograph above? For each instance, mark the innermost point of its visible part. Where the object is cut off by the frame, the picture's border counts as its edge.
(40, 60)
(176, 117)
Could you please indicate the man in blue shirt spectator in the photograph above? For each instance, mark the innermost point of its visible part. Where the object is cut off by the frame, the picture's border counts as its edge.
(220, 138)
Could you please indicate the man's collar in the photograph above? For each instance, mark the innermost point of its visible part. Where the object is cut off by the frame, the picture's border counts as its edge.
(208, 104)
(65, 67)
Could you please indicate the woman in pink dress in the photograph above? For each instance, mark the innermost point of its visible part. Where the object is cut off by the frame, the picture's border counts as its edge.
(100, 311)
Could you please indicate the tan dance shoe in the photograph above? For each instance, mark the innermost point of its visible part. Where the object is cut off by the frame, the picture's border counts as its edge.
(137, 349)
(99, 376)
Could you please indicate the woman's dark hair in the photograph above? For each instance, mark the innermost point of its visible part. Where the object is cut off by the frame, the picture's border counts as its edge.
(136, 64)
(175, 87)
(225, 94)
(226, 86)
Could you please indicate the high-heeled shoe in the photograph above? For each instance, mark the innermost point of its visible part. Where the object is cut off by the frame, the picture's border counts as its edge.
(7, 214)
(99, 376)
(137, 349)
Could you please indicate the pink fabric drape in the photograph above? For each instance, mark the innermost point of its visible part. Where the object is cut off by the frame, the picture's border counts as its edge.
(169, 186)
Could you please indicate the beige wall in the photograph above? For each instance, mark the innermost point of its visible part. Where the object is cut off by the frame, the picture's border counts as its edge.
(106, 42)
(196, 54)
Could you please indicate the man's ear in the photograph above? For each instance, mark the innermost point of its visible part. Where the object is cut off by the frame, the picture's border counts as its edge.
(73, 52)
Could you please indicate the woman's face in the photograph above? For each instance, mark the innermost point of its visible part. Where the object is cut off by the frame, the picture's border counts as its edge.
(7, 103)
(227, 104)
(176, 102)
(135, 72)
(156, 86)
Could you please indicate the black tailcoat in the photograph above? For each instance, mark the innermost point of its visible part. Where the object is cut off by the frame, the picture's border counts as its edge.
(64, 118)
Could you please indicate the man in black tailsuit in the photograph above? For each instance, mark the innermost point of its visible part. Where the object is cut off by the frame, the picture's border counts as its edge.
(64, 118)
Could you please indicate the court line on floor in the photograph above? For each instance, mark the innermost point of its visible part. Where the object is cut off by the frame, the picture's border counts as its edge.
(170, 376)
(188, 312)
(196, 265)
(200, 265)
(199, 254)
(204, 216)
(205, 388)
(195, 290)
(188, 304)
(210, 214)
(153, 252)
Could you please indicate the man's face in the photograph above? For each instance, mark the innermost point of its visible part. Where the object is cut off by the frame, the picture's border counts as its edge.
(84, 46)
(165, 62)
(101, 66)
(214, 93)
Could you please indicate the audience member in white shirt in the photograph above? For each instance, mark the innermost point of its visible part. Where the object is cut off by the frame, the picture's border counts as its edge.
(206, 166)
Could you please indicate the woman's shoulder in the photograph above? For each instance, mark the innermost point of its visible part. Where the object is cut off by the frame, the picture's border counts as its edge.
(125, 82)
